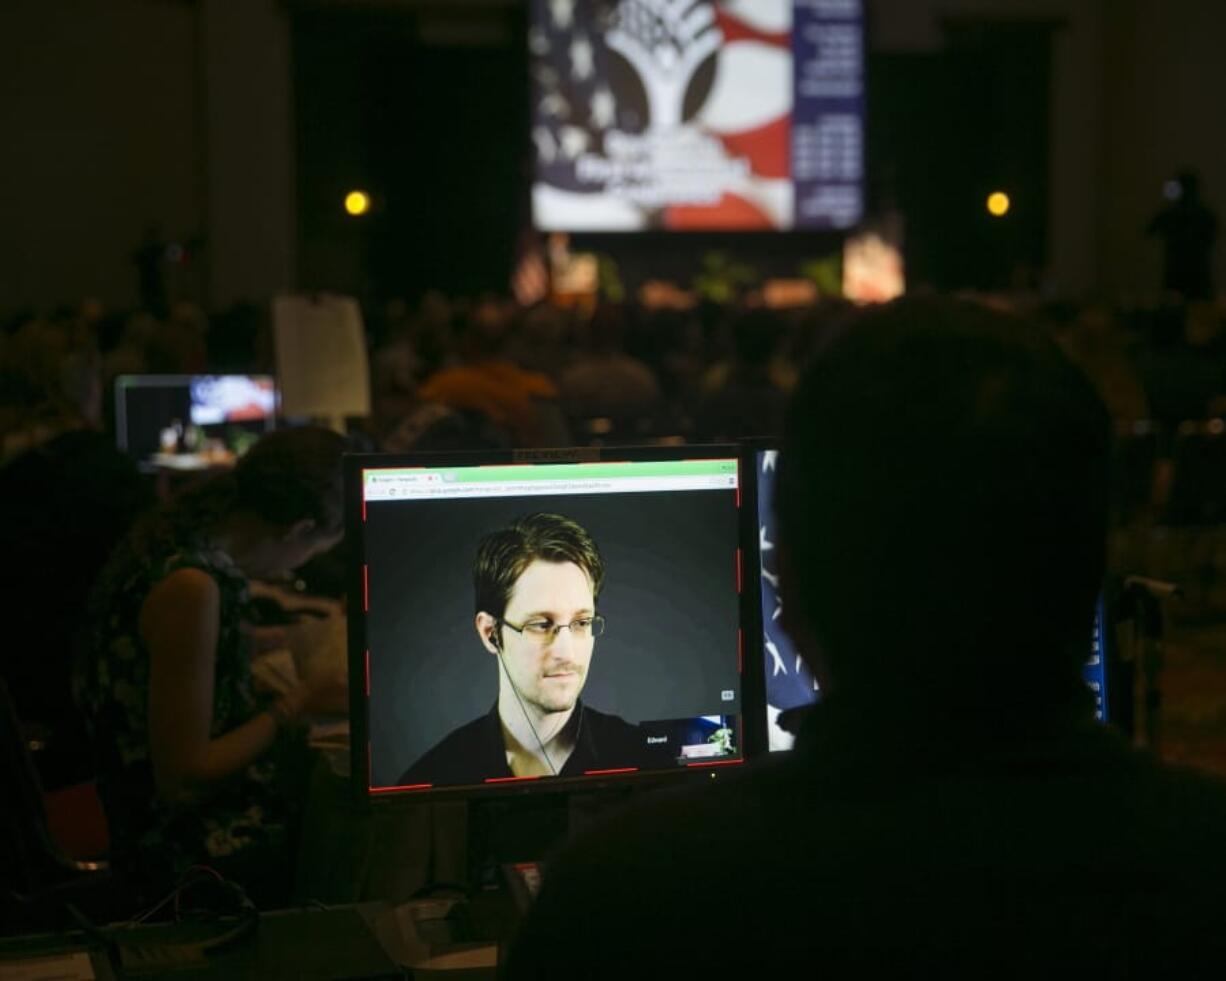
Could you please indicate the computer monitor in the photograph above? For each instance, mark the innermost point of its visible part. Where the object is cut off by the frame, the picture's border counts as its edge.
(192, 422)
(525, 622)
(786, 682)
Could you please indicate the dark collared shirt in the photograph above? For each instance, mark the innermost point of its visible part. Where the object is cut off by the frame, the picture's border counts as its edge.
(879, 849)
(476, 752)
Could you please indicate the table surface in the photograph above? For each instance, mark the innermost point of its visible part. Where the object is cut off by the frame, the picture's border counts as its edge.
(303, 944)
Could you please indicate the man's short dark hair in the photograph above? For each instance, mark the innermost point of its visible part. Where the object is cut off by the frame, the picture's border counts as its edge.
(943, 497)
(503, 556)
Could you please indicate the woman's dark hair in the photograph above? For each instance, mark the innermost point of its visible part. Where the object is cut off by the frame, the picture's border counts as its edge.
(291, 475)
(943, 496)
(288, 476)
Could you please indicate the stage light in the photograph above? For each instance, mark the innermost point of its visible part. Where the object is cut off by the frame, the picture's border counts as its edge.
(357, 203)
(998, 204)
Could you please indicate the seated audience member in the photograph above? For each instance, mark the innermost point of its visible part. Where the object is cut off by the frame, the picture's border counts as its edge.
(67, 497)
(543, 340)
(951, 808)
(606, 383)
(676, 355)
(395, 370)
(745, 399)
(523, 404)
(49, 385)
(1096, 344)
(64, 506)
(183, 740)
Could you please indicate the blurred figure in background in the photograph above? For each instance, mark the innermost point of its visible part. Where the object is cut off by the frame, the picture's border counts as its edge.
(1188, 230)
(150, 258)
(131, 353)
(180, 344)
(608, 387)
(542, 340)
(523, 404)
(67, 496)
(1096, 343)
(745, 399)
(49, 383)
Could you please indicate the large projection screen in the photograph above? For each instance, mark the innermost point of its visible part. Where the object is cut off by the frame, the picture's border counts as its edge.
(742, 115)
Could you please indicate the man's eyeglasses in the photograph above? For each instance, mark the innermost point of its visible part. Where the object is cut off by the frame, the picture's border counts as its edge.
(544, 631)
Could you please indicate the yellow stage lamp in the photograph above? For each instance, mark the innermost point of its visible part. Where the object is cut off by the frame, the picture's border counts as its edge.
(357, 203)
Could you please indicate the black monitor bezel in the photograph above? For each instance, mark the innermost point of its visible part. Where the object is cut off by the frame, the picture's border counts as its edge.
(354, 465)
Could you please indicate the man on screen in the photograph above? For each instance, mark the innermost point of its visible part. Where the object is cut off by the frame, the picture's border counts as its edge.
(536, 583)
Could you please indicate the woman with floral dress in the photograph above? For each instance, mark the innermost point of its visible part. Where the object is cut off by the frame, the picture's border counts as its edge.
(191, 760)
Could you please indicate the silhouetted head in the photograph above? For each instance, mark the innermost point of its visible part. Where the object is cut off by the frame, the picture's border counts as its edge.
(1189, 184)
(943, 507)
(756, 333)
(285, 495)
(294, 475)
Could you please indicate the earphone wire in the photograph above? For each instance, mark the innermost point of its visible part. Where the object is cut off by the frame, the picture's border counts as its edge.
(523, 708)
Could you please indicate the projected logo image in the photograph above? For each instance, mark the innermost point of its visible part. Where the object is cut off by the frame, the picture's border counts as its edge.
(678, 114)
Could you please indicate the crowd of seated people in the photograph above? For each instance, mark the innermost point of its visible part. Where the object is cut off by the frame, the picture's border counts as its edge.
(609, 371)
(184, 751)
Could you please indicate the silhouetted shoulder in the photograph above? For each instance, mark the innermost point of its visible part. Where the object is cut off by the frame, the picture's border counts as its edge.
(1106, 862)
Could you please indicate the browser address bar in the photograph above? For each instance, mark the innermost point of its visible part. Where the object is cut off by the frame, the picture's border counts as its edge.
(394, 490)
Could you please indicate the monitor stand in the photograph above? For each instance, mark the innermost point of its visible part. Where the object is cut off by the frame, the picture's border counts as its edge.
(511, 839)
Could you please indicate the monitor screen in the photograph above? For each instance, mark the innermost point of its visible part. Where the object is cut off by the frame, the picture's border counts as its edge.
(789, 683)
(711, 115)
(527, 621)
(192, 422)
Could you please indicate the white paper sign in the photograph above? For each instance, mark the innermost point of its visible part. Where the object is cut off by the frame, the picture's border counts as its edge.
(322, 366)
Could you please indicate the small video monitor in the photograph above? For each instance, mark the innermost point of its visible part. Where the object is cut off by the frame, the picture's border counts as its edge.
(521, 622)
(192, 422)
(787, 684)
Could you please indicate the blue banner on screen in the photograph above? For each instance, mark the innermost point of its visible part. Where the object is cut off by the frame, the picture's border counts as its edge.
(1095, 670)
(789, 682)
(697, 115)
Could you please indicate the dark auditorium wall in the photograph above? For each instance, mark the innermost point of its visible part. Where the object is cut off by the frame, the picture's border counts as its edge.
(1164, 66)
(247, 113)
(99, 138)
(119, 114)
(1135, 93)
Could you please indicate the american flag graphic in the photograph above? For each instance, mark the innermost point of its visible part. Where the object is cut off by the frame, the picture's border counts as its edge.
(574, 105)
(672, 70)
(788, 682)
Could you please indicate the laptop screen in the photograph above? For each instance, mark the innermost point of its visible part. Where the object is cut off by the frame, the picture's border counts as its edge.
(534, 621)
(192, 422)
